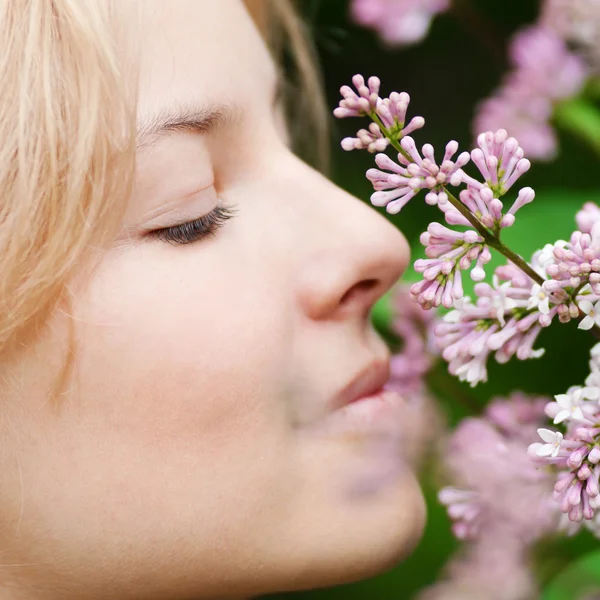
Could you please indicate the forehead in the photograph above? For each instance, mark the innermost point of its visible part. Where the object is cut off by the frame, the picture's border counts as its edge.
(200, 52)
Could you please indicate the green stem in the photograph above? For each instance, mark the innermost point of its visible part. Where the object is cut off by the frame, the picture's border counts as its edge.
(492, 240)
(393, 141)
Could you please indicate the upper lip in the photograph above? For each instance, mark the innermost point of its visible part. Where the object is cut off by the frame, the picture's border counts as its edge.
(368, 381)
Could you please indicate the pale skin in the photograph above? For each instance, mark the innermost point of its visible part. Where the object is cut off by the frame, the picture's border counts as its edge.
(178, 464)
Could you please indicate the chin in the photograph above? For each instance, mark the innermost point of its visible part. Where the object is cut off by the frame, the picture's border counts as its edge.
(376, 538)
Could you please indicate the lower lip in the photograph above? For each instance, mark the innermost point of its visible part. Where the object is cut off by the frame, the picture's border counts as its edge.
(377, 414)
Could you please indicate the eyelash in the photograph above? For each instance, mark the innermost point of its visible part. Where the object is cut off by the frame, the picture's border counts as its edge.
(193, 231)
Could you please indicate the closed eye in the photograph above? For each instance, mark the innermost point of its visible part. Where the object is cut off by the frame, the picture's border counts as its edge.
(193, 231)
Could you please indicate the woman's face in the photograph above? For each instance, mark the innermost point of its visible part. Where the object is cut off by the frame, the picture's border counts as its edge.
(193, 453)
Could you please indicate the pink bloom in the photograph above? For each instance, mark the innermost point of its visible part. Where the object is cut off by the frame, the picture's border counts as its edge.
(587, 217)
(518, 416)
(390, 112)
(495, 483)
(448, 253)
(498, 323)
(575, 455)
(577, 21)
(398, 22)
(493, 568)
(592, 314)
(544, 72)
(406, 178)
(361, 102)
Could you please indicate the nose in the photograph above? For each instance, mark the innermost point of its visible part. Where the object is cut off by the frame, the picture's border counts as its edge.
(353, 255)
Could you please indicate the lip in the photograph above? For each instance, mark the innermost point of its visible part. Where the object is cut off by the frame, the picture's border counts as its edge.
(364, 407)
(369, 382)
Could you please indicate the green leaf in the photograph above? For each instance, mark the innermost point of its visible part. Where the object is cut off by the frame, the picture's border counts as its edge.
(581, 118)
(580, 578)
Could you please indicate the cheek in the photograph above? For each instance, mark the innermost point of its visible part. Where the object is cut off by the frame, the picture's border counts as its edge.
(183, 364)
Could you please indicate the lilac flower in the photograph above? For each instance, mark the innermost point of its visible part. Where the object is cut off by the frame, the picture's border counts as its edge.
(494, 482)
(540, 299)
(493, 568)
(501, 162)
(568, 409)
(593, 379)
(387, 113)
(359, 104)
(544, 73)
(398, 22)
(553, 441)
(410, 175)
(518, 416)
(497, 323)
(574, 404)
(499, 502)
(392, 112)
(577, 21)
(372, 139)
(465, 508)
(574, 267)
(574, 454)
(448, 253)
(587, 217)
(592, 312)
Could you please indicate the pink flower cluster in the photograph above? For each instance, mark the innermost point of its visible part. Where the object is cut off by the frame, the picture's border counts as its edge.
(389, 115)
(508, 316)
(577, 21)
(575, 451)
(492, 568)
(544, 72)
(398, 22)
(500, 503)
(500, 163)
(499, 322)
(561, 280)
(497, 483)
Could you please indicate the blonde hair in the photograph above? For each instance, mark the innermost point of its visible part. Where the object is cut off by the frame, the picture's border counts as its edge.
(291, 42)
(66, 149)
(67, 142)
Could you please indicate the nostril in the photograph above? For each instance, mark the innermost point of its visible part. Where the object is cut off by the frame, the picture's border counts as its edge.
(360, 288)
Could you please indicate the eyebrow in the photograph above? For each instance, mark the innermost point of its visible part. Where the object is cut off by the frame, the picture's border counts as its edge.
(181, 119)
(202, 120)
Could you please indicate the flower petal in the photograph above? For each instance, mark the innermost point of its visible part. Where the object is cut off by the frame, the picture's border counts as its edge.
(548, 435)
(586, 324)
(545, 450)
(561, 416)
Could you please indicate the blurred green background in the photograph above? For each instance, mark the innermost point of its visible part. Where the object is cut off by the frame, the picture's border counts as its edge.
(460, 62)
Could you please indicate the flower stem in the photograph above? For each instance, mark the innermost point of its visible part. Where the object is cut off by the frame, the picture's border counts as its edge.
(393, 140)
(492, 240)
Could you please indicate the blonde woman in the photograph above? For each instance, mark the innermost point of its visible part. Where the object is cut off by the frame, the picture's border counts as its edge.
(187, 355)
